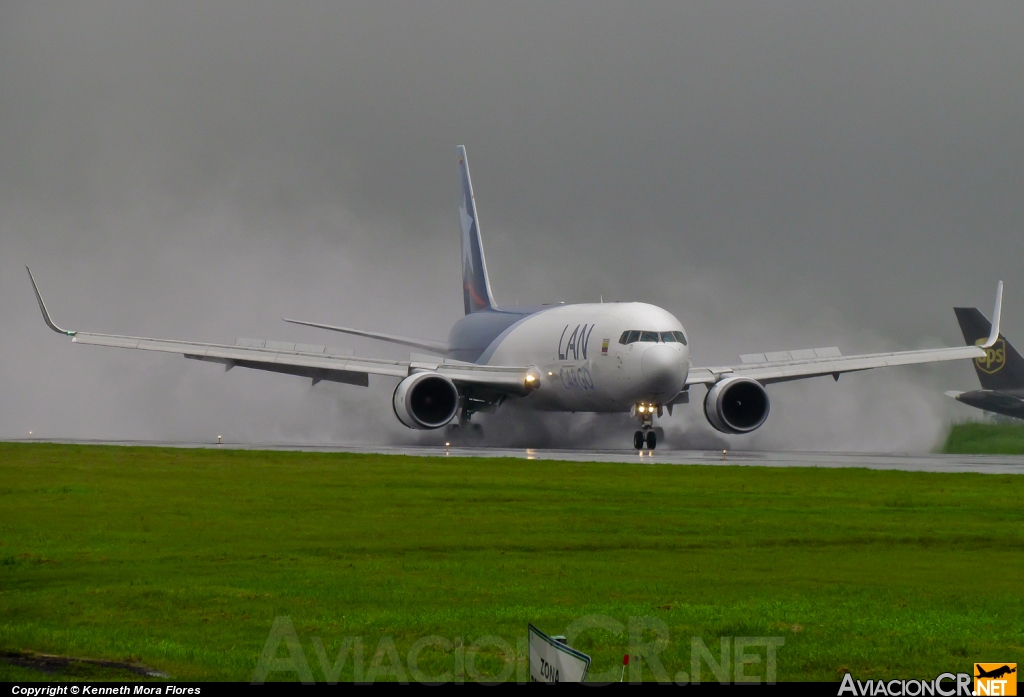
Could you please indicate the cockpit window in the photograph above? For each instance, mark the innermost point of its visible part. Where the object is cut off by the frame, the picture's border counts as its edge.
(632, 336)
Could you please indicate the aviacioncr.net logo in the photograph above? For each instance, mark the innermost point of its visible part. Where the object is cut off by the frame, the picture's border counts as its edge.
(995, 679)
(995, 357)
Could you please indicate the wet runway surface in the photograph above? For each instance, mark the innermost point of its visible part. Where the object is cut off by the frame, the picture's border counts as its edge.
(987, 464)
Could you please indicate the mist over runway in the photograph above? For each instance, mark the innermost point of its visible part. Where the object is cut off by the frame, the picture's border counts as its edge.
(781, 176)
(907, 462)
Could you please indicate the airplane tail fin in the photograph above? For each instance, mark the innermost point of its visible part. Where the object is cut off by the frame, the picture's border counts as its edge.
(1002, 368)
(476, 288)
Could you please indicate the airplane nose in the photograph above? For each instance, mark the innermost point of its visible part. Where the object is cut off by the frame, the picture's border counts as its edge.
(662, 366)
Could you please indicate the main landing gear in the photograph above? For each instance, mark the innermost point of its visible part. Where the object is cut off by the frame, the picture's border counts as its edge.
(462, 431)
(646, 435)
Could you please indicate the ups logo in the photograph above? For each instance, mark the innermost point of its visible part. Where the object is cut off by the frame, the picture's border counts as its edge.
(994, 358)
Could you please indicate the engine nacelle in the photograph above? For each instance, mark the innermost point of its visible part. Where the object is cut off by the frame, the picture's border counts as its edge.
(736, 405)
(425, 400)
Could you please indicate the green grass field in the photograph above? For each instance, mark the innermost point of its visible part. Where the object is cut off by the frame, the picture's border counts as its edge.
(181, 560)
(985, 439)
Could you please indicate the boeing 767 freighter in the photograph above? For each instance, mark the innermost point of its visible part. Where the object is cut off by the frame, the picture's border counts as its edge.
(1000, 370)
(591, 357)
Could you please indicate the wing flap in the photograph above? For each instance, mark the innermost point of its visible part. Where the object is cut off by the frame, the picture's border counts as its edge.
(799, 354)
(782, 371)
(257, 356)
(348, 377)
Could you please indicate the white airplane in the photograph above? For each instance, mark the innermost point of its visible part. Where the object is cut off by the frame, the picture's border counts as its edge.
(590, 357)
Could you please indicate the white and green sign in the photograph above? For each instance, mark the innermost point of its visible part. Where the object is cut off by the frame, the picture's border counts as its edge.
(552, 661)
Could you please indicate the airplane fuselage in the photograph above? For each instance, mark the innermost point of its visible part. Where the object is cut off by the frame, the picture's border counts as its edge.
(1005, 402)
(585, 354)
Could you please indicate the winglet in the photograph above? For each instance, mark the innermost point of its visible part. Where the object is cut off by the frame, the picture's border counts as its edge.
(996, 312)
(42, 307)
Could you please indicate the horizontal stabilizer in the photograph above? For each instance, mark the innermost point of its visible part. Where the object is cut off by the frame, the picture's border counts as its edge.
(430, 358)
(425, 344)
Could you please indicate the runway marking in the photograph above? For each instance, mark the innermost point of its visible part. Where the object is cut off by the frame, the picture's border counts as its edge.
(908, 462)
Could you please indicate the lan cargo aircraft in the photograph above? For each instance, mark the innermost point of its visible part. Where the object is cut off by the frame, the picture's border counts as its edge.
(604, 357)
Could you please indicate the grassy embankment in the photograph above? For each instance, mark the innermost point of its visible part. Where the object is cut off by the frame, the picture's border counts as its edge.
(985, 439)
(181, 559)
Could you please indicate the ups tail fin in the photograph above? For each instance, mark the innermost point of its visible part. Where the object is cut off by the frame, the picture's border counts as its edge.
(1002, 368)
(476, 288)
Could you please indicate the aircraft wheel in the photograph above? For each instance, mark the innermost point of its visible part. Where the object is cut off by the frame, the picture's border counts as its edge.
(652, 440)
(638, 440)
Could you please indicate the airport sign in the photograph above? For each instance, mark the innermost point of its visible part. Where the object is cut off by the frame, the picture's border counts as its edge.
(552, 661)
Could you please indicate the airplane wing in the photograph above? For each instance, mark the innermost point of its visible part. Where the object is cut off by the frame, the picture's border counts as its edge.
(783, 371)
(797, 365)
(305, 360)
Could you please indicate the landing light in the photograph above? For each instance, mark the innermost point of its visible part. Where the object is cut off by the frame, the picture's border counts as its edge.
(641, 408)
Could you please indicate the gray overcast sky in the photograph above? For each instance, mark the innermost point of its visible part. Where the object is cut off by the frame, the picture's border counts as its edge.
(778, 175)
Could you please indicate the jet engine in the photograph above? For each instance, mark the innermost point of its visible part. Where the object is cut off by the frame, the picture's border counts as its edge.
(425, 400)
(736, 405)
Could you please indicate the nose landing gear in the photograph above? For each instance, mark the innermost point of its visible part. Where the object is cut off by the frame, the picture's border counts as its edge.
(646, 435)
